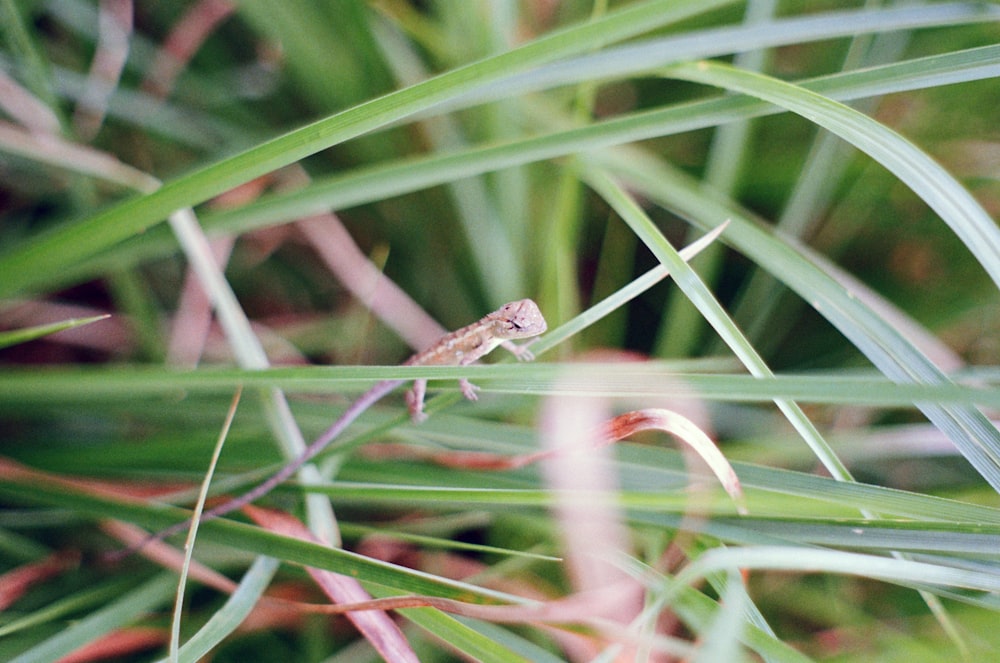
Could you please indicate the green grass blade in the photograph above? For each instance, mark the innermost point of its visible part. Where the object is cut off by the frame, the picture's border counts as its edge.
(698, 293)
(973, 434)
(373, 183)
(121, 612)
(911, 165)
(18, 336)
(227, 619)
(29, 263)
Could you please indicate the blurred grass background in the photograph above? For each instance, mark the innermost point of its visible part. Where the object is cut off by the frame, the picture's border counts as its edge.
(478, 152)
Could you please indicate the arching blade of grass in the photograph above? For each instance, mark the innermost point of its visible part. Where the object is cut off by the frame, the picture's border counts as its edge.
(381, 181)
(972, 432)
(63, 248)
(648, 56)
(911, 165)
(65, 245)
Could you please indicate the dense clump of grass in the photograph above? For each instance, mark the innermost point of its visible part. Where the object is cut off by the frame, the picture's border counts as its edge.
(280, 199)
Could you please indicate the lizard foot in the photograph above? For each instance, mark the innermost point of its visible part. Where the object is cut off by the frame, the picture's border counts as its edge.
(415, 401)
(469, 390)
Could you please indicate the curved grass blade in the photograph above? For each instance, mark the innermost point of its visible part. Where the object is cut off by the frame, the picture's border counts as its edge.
(31, 261)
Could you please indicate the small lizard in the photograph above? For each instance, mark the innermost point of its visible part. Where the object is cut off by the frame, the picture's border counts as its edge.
(516, 320)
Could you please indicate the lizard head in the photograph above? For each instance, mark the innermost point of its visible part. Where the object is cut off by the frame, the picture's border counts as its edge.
(520, 319)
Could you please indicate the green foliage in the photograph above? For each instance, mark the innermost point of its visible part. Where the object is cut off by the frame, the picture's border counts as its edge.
(479, 152)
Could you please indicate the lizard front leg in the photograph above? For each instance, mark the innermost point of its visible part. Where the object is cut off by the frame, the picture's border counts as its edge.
(522, 352)
(468, 389)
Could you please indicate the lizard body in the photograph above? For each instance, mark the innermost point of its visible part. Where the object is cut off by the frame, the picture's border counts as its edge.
(520, 319)
(516, 320)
